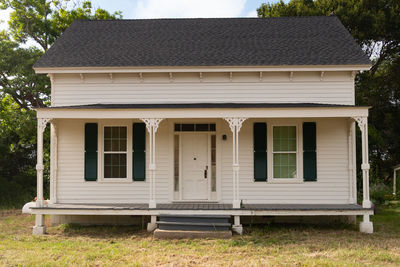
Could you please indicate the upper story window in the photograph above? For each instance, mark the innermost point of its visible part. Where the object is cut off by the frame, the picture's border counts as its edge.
(115, 152)
(284, 152)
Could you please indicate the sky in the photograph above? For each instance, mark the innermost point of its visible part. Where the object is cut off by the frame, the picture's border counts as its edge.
(133, 9)
(182, 8)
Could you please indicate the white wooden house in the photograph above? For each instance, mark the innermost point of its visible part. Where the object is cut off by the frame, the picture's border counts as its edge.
(236, 117)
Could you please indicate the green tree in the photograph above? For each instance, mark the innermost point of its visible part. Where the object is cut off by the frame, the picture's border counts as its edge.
(41, 22)
(17, 157)
(375, 24)
(34, 26)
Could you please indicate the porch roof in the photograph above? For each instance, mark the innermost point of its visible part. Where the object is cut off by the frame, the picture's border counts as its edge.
(199, 105)
(202, 110)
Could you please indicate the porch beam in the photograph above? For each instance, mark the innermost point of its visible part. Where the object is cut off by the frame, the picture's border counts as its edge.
(181, 113)
(152, 126)
(235, 124)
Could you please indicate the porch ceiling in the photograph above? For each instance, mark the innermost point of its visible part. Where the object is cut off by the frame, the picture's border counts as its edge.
(202, 110)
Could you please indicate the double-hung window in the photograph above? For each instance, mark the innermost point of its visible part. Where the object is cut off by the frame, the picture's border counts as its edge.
(284, 152)
(115, 152)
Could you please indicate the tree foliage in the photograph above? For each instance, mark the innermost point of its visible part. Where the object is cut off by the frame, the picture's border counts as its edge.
(375, 24)
(34, 26)
(17, 157)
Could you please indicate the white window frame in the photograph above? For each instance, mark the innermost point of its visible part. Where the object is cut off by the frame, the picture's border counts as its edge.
(128, 126)
(270, 153)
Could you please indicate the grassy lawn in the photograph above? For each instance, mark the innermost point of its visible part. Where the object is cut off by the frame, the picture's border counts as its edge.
(260, 246)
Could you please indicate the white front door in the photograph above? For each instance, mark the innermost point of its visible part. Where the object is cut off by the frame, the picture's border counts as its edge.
(195, 166)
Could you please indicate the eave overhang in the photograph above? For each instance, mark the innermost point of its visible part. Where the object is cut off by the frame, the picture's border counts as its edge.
(177, 69)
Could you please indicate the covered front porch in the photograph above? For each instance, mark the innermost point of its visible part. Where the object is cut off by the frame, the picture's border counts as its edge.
(235, 201)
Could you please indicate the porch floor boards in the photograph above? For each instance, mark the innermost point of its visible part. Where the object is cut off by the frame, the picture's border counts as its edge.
(206, 206)
(193, 208)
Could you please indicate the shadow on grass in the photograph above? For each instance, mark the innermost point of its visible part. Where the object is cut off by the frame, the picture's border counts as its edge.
(261, 234)
(300, 227)
(386, 224)
(102, 231)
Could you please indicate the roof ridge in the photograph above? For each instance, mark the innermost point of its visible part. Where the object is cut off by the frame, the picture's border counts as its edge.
(211, 18)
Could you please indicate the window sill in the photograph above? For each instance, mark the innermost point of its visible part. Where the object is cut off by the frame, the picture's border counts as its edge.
(115, 181)
(285, 181)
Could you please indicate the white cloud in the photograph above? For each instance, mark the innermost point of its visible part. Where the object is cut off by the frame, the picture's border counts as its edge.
(4, 17)
(252, 14)
(188, 8)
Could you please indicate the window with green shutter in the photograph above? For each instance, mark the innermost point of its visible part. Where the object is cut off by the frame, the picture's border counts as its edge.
(309, 151)
(139, 152)
(91, 151)
(284, 152)
(115, 152)
(260, 151)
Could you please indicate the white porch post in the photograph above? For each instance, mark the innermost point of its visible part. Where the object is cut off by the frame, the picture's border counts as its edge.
(235, 124)
(152, 126)
(40, 227)
(394, 182)
(352, 163)
(396, 168)
(366, 225)
(363, 125)
(53, 161)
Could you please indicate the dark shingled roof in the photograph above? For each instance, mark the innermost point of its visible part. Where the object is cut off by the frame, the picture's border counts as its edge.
(201, 105)
(205, 42)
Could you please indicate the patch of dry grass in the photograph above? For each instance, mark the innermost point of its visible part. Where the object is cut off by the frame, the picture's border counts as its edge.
(260, 246)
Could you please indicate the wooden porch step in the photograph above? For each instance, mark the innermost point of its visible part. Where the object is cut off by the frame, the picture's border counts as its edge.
(179, 234)
(194, 222)
(196, 218)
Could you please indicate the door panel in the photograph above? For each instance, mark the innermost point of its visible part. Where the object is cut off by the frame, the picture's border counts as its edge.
(195, 151)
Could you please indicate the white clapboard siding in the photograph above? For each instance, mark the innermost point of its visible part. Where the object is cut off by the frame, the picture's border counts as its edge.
(71, 186)
(331, 187)
(332, 162)
(334, 88)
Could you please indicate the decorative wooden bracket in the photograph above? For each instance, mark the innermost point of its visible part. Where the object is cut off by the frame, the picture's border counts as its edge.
(152, 123)
(42, 123)
(235, 123)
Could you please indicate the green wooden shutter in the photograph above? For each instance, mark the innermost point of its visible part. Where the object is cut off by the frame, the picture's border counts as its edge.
(91, 151)
(139, 152)
(309, 151)
(260, 151)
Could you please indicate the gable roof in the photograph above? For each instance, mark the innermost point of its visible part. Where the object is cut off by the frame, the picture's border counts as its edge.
(281, 41)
